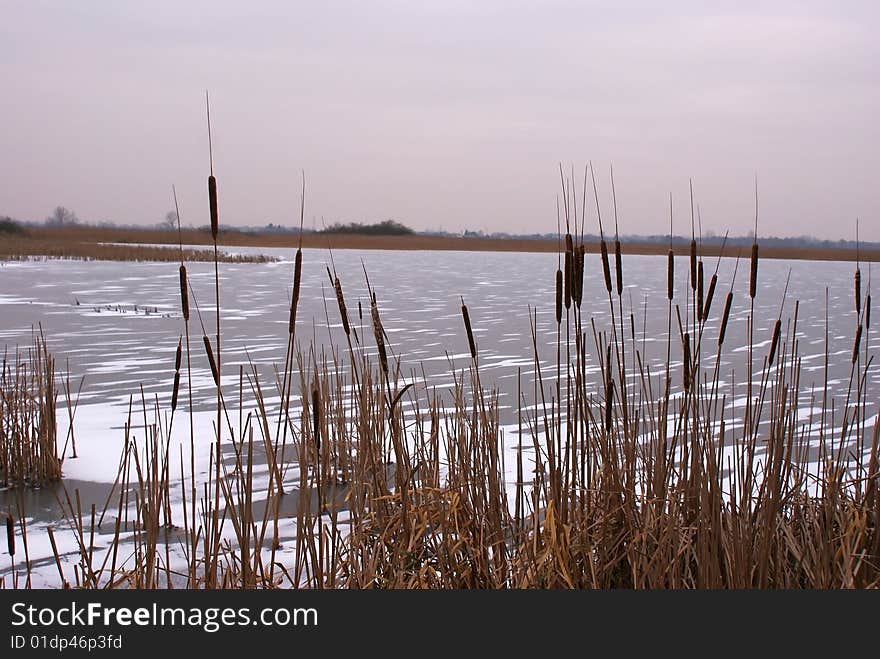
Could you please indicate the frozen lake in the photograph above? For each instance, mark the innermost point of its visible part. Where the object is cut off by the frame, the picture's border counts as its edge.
(115, 327)
(118, 324)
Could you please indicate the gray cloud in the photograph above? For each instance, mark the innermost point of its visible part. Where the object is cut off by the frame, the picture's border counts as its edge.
(443, 114)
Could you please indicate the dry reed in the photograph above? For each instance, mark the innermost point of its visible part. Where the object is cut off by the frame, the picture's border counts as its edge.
(28, 426)
(636, 481)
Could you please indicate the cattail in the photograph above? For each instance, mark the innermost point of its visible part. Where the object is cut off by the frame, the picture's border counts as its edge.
(175, 391)
(858, 286)
(618, 264)
(606, 269)
(569, 265)
(211, 361)
(753, 275)
(184, 293)
(868, 312)
(857, 345)
(724, 318)
(558, 296)
(700, 291)
(10, 534)
(686, 365)
(178, 355)
(693, 254)
(294, 301)
(378, 335)
(212, 200)
(577, 287)
(775, 341)
(569, 275)
(709, 295)
(670, 274)
(470, 332)
(360, 312)
(340, 301)
(316, 420)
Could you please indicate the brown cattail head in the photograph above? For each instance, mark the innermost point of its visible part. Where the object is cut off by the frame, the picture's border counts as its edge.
(469, 330)
(606, 268)
(294, 301)
(858, 291)
(569, 243)
(857, 344)
(753, 274)
(670, 274)
(569, 276)
(378, 334)
(580, 254)
(868, 311)
(211, 362)
(184, 293)
(360, 312)
(178, 355)
(709, 295)
(340, 302)
(724, 318)
(618, 264)
(693, 254)
(700, 291)
(774, 343)
(212, 201)
(175, 391)
(686, 362)
(316, 421)
(558, 296)
(10, 534)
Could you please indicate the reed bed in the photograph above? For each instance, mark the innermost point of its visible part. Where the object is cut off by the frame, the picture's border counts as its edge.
(626, 474)
(65, 235)
(23, 249)
(29, 455)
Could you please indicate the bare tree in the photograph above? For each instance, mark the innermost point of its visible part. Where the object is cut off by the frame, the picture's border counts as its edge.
(170, 221)
(61, 216)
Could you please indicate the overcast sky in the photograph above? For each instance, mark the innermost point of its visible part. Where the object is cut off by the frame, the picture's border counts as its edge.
(446, 114)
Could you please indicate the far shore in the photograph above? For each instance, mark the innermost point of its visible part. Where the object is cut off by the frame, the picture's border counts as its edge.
(87, 235)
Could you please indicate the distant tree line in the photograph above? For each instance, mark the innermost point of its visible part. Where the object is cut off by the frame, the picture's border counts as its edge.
(10, 227)
(385, 228)
(62, 216)
(746, 241)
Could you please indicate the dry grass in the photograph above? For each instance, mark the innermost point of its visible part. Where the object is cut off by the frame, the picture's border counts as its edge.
(70, 245)
(28, 429)
(57, 236)
(644, 475)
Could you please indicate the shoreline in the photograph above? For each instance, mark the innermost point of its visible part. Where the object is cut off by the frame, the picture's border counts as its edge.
(88, 237)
